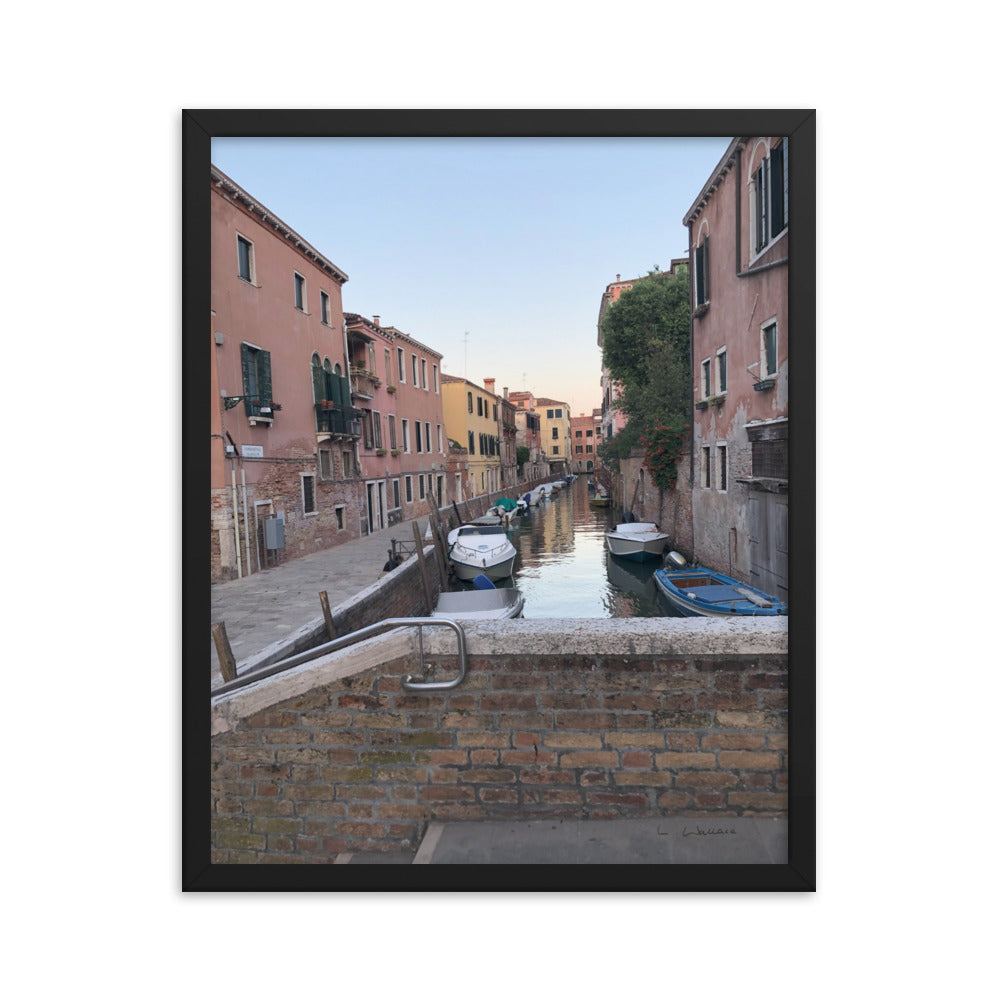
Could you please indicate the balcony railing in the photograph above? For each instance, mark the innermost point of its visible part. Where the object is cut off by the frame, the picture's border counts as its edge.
(343, 421)
(363, 383)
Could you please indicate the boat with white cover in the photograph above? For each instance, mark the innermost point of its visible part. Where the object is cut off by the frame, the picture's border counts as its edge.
(483, 603)
(481, 548)
(639, 540)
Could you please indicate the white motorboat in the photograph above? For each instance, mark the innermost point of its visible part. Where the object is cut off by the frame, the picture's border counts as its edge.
(483, 603)
(639, 540)
(481, 548)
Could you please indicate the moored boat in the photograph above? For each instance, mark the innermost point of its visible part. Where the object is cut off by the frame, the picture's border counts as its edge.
(700, 592)
(484, 602)
(639, 540)
(600, 500)
(481, 548)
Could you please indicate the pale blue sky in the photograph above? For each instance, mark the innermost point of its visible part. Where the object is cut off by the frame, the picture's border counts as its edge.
(512, 240)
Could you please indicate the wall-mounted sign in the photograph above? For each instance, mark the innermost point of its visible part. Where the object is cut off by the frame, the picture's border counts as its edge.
(253, 451)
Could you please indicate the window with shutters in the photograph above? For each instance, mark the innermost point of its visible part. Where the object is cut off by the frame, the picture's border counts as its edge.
(701, 274)
(706, 378)
(256, 381)
(769, 198)
(308, 493)
(769, 350)
(324, 308)
(720, 370)
(245, 261)
(300, 292)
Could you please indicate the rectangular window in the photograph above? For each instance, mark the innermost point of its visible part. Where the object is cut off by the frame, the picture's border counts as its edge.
(479, 406)
(549, 414)
(300, 292)
(367, 430)
(769, 197)
(348, 464)
(388, 367)
(555, 433)
(395, 494)
(578, 434)
(706, 378)
(470, 402)
(256, 379)
(377, 423)
(706, 462)
(308, 494)
(409, 489)
(769, 350)
(427, 436)
(325, 464)
(701, 274)
(324, 308)
(406, 436)
(401, 365)
(723, 472)
(558, 414)
(413, 358)
(339, 514)
(720, 366)
(440, 440)
(416, 426)
(434, 372)
(392, 434)
(423, 373)
(555, 449)
(421, 486)
(472, 443)
(244, 254)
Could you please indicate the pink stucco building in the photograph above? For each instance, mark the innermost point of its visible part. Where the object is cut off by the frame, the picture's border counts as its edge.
(276, 328)
(738, 238)
(403, 456)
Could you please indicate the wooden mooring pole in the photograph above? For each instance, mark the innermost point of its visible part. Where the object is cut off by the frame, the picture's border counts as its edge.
(423, 566)
(327, 616)
(227, 662)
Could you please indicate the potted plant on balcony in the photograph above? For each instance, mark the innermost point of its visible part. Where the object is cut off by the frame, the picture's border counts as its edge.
(380, 452)
(391, 389)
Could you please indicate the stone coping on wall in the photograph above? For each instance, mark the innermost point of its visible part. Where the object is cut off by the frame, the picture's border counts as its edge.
(661, 637)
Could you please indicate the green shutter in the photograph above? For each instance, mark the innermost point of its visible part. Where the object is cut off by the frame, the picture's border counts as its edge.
(264, 377)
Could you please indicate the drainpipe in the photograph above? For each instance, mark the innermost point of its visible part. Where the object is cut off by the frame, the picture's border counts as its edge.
(236, 527)
(246, 519)
(691, 376)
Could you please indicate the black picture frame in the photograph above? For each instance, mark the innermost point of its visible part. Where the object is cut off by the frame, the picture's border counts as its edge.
(199, 127)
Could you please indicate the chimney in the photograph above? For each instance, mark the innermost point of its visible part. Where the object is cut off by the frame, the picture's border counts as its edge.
(376, 319)
(489, 383)
(618, 277)
(506, 393)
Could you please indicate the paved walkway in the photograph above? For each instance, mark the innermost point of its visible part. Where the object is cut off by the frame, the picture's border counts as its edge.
(268, 606)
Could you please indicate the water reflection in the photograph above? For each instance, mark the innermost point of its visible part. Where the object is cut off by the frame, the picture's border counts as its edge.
(565, 570)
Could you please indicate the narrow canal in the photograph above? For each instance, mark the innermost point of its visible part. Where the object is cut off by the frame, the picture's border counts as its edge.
(564, 568)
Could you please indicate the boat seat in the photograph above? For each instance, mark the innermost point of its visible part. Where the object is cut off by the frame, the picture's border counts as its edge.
(715, 594)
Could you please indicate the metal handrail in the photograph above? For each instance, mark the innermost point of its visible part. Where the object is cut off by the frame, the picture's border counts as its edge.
(409, 682)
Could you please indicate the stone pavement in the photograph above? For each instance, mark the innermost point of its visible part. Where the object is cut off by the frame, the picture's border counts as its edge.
(268, 606)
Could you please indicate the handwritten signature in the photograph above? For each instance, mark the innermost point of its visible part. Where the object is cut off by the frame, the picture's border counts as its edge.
(699, 832)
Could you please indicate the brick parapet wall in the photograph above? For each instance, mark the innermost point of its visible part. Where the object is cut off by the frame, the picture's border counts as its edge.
(357, 763)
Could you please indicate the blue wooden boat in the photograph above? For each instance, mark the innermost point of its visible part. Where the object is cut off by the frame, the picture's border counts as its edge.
(697, 592)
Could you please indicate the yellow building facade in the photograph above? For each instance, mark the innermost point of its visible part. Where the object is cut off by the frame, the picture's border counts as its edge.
(471, 420)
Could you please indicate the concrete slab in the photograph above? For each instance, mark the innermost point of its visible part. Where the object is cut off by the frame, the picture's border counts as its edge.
(747, 841)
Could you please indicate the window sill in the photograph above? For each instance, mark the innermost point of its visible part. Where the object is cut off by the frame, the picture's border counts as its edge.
(266, 421)
(701, 310)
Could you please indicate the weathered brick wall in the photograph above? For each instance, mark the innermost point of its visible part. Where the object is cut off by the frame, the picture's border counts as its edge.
(360, 764)
(670, 509)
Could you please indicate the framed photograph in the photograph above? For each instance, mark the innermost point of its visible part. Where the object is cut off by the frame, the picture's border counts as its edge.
(509, 587)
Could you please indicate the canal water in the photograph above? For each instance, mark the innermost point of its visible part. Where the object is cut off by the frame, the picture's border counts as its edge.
(564, 568)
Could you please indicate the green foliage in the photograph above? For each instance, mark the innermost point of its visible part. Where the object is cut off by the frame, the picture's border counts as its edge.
(523, 454)
(663, 446)
(607, 452)
(645, 338)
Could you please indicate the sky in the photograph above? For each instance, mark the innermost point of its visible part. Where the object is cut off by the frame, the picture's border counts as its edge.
(495, 252)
